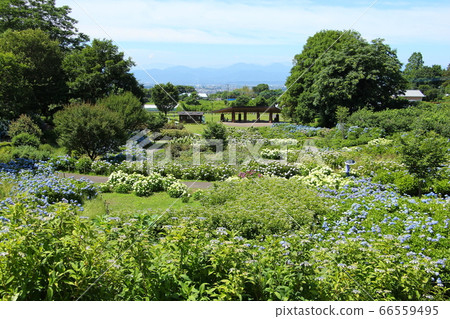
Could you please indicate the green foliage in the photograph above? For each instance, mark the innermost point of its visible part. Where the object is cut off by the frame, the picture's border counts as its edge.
(174, 133)
(165, 97)
(24, 124)
(90, 130)
(25, 139)
(44, 15)
(30, 152)
(425, 117)
(260, 88)
(216, 131)
(129, 107)
(83, 165)
(38, 60)
(423, 155)
(15, 91)
(340, 68)
(156, 121)
(99, 70)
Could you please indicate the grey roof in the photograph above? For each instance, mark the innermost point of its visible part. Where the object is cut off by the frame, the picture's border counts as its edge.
(190, 113)
(412, 93)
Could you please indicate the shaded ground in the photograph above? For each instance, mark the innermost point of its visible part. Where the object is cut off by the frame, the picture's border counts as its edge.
(104, 179)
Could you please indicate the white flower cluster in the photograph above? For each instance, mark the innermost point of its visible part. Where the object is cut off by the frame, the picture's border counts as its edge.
(146, 185)
(380, 142)
(322, 177)
(274, 154)
(283, 141)
(177, 190)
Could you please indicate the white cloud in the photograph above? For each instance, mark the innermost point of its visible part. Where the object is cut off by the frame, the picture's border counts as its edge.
(230, 22)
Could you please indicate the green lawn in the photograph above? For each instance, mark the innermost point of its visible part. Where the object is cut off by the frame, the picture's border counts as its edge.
(119, 204)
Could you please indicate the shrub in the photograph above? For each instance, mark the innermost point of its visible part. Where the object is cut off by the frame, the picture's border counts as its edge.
(90, 130)
(25, 139)
(423, 155)
(173, 126)
(216, 131)
(143, 187)
(24, 124)
(83, 165)
(29, 152)
(177, 190)
(122, 188)
(174, 133)
(156, 121)
(101, 167)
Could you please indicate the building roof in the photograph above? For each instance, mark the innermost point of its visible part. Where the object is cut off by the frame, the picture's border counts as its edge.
(190, 113)
(249, 109)
(412, 93)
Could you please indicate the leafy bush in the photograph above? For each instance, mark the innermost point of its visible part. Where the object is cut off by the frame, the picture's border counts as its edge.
(83, 165)
(25, 139)
(100, 167)
(156, 121)
(129, 107)
(90, 130)
(174, 133)
(24, 124)
(29, 152)
(216, 131)
(177, 190)
(424, 116)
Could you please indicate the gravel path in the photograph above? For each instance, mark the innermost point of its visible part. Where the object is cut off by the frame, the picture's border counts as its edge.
(104, 179)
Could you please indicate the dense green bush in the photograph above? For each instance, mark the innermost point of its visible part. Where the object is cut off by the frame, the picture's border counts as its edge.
(83, 165)
(129, 107)
(424, 116)
(90, 130)
(216, 131)
(174, 133)
(25, 139)
(24, 124)
(156, 121)
(30, 152)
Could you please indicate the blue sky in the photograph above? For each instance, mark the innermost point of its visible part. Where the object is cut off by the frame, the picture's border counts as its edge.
(216, 33)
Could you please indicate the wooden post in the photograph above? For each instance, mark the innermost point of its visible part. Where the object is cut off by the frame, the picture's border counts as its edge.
(245, 116)
(240, 117)
(233, 117)
(257, 116)
(270, 117)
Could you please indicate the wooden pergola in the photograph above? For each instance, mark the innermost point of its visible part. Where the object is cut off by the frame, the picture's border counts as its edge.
(249, 109)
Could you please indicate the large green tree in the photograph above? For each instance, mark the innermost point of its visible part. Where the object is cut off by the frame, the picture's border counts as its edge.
(90, 129)
(20, 15)
(341, 68)
(15, 92)
(99, 70)
(165, 97)
(129, 107)
(40, 79)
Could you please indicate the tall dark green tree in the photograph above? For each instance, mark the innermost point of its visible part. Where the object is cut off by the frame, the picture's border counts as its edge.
(341, 68)
(165, 97)
(98, 70)
(15, 91)
(414, 65)
(21, 15)
(40, 78)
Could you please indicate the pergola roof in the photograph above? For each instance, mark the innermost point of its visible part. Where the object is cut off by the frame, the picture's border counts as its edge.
(188, 113)
(249, 109)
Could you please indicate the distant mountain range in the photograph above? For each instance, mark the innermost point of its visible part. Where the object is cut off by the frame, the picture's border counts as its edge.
(237, 74)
